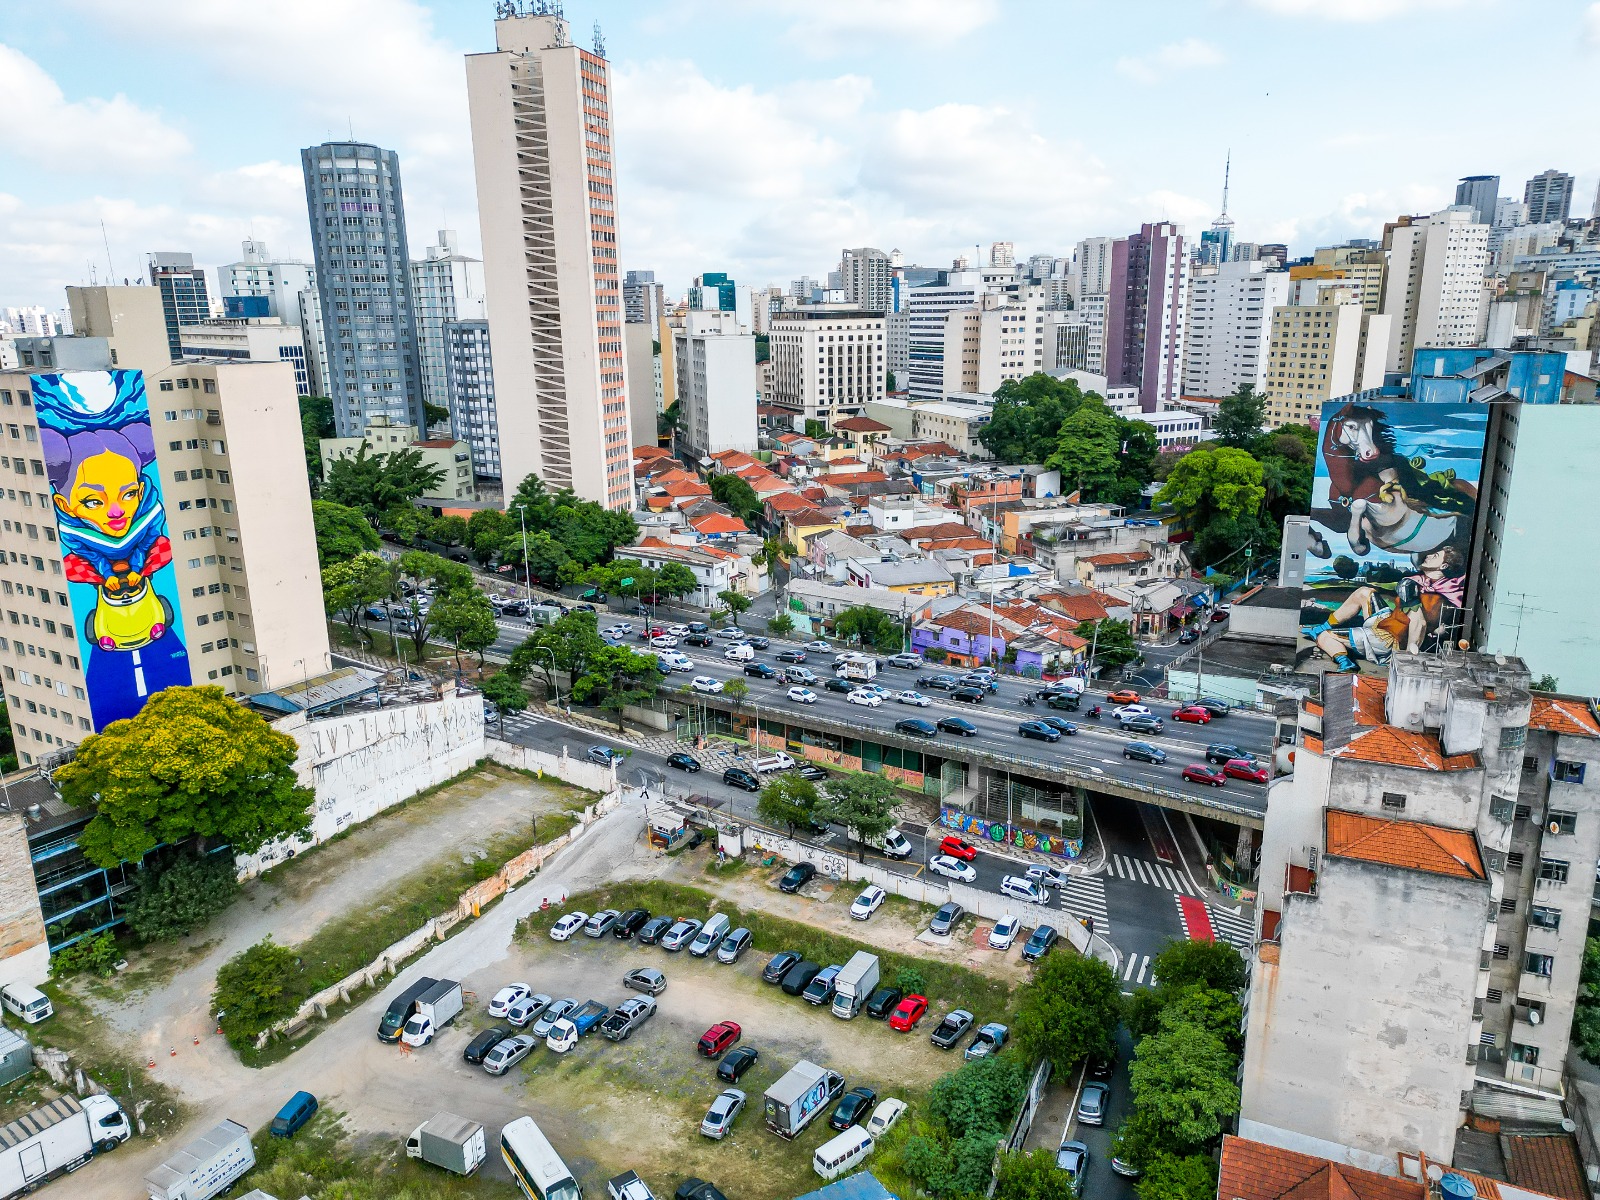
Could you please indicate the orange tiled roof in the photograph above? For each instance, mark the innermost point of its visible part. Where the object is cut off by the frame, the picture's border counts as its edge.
(651, 452)
(850, 478)
(1120, 558)
(1402, 748)
(861, 425)
(1559, 714)
(1409, 844)
(788, 502)
(768, 482)
(1090, 607)
(1370, 691)
(718, 523)
(944, 529)
(653, 543)
(1257, 1171)
(808, 516)
(680, 489)
(1545, 1163)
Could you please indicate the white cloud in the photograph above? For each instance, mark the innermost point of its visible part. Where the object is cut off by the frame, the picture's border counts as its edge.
(1188, 54)
(830, 27)
(1357, 10)
(90, 136)
(1591, 24)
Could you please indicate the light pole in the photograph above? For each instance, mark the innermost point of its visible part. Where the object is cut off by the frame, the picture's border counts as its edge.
(527, 574)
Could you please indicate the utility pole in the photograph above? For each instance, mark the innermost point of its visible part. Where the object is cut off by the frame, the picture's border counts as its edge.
(527, 573)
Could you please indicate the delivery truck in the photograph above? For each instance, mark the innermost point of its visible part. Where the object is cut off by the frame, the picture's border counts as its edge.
(401, 1008)
(206, 1167)
(59, 1137)
(448, 1141)
(435, 1009)
(795, 1100)
(853, 985)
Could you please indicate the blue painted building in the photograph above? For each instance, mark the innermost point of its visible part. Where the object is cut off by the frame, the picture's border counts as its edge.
(1480, 375)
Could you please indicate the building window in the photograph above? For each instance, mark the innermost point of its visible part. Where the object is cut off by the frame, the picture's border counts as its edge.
(1394, 802)
(1566, 772)
(1542, 965)
(1524, 811)
(1530, 762)
(1501, 809)
(1493, 996)
(1552, 870)
(1508, 905)
(1544, 918)
(1561, 822)
(1501, 950)
(1514, 860)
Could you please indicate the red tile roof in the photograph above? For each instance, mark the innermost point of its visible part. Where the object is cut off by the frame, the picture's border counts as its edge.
(944, 529)
(435, 444)
(788, 502)
(1409, 844)
(1257, 1171)
(852, 478)
(1401, 748)
(1547, 1164)
(1561, 714)
(1081, 607)
(861, 425)
(682, 489)
(1121, 558)
(651, 452)
(807, 517)
(718, 523)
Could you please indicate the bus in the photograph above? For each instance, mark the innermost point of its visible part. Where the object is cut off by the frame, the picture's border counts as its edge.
(535, 1165)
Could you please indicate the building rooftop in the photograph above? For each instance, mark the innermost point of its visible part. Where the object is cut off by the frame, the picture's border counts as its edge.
(1564, 714)
(1124, 558)
(1411, 845)
(1257, 1171)
(905, 574)
(1272, 597)
(861, 425)
(863, 1185)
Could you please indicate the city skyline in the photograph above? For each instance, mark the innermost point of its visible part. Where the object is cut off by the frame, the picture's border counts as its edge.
(853, 127)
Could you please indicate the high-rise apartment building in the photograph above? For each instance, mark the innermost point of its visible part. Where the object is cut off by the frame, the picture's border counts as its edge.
(1548, 196)
(445, 286)
(928, 309)
(827, 361)
(1230, 319)
(183, 294)
(1480, 193)
(358, 238)
(1148, 296)
(249, 339)
(280, 281)
(716, 363)
(470, 380)
(638, 343)
(1360, 264)
(643, 300)
(864, 275)
(1075, 339)
(897, 337)
(1317, 351)
(1092, 266)
(541, 111)
(1434, 289)
(1002, 254)
(1423, 907)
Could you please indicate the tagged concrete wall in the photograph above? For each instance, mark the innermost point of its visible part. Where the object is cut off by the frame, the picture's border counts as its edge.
(24, 957)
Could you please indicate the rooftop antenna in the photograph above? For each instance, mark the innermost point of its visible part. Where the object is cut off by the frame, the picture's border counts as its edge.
(1227, 170)
(111, 272)
(1522, 606)
(599, 42)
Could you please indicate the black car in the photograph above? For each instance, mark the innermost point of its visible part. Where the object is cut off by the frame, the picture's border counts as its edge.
(759, 642)
(853, 1108)
(939, 683)
(881, 1003)
(684, 761)
(1039, 730)
(741, 778)
(1039, 943)
(799, 977)
(1066, 701)
(958, 726)
(1217, 708)
(652, 930)
(1144, 752)
(1221, 752)
(760, 671)
(699, 639)
(807, 771)
(779, 966)
(1142, 725)
(796, 877)
(791, 656)
(968, 694)
(917, 727)
(1059, 725)
(736, 1062)
(1188, 637)
(485, 1042)
(697, 1189)
(630, 923)
(840, 685)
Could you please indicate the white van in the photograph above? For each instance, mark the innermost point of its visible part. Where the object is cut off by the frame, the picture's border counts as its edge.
(710, 936)
(740, 652)
(26, 1002)
(833, 1158)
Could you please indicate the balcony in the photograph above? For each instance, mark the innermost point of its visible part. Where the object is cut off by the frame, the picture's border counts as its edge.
(1536, 986)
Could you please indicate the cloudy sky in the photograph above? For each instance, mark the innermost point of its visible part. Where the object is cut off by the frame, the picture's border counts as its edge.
(760, 138)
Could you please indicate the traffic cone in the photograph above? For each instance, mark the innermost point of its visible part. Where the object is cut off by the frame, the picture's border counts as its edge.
(151, 1064)
(173, 1052)
(197, 1039)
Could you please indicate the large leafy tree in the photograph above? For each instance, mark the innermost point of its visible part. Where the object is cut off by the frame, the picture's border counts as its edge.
(1182, 1079)
(192, 764)
(376, 482)
(255, 988)
(587, 531)
(1211, 964)
(1169, 1177)
(863, 804)
(1086, 451)
(488, 532)
(788, 800)
(1113, 646)
(316, 423)
(617, 677)
(341, 532)
(174, 900)
(448, 531)
(505, 692)
(736, 603)
(569, 644)
(1219, 493)
(464, 618)
(1069, 1011)
(1030, 1176)
(1239, 418)
(675, 579)
(871, 626)
(348, 587)
(1027, 417)
(738, 495)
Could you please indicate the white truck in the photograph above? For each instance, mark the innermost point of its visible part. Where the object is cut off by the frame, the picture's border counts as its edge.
(435, 1009)
(628, 1186)
(855, 984)
(59, 1137)
(448, 1141)
(861, 667)
(206, 1167)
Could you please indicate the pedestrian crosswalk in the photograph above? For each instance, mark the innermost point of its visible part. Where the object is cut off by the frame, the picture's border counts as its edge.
(1155, 874)
(1084, 896)
(1238, 929)
(1136, 970)
(515, 722)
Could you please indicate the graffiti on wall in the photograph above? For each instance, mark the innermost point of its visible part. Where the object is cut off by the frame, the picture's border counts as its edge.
(1002, 834)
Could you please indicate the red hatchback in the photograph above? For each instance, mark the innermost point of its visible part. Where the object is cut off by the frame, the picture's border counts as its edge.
(908, 1012)
(1200, 773)
(957, 848)
(718, 1038)
(1243, 768)
(1193, 714)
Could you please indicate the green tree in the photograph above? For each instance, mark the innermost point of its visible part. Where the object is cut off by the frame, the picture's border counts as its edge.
(1069, 1011)
(449, 531)
(547, 558)
(1169, 1177)
(870, 626)
(863, 804)
(488, 532)
(434, 415)
(789, 801)
(405, 523)
(738, 495)
(316, 423)
(569, 643)
(193, 763)
(1239, 418)
(348, 587)
(376, 482)
(342, 533)
(1215, 965)
(1212, 1010)
(780, 623)
(175, 899)
(675, 579)
(1030, 1176)
(1219, 494)
(888, 384)
(1113, 645)
(255, 989)
(504, 691)
(737, 604)
(1586, 1021)
(616, 678)
(1546, 683)
(982, 1094)
(736, 690)
(1025, 425)
(1086, 451)
(1182, 1080)
(464, 618)
(97, 954)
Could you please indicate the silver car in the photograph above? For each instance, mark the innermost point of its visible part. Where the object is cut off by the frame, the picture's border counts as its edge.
(680, 935)
(600, 924)
(508, 1053)
(1092, 1104)
(541, 1027)
(520, 1012)
(724, 1109)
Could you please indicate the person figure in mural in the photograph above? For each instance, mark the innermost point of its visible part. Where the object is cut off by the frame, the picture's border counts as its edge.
(1370, 625)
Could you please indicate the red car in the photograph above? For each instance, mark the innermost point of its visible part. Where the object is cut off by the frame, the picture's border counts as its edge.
(1193, 714)
(958, 848)
(908, 1012)
(1125, 696)
(718, 1038)
(649, 632)
(1243, 768)
(1220, 614)
(1200, 773)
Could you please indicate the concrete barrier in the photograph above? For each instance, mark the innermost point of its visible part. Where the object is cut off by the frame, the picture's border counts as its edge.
(563, 766)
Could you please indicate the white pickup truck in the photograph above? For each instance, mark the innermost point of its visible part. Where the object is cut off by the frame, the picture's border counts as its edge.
(774, 762)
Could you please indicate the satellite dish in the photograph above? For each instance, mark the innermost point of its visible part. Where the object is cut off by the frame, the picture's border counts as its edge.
(1555, 827)
(1533, 1016)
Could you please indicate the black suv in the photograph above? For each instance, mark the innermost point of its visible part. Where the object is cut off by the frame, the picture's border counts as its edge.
(1067, 701)
(629, 923)
(1144, 752)
(485, 1042)
(883, 1001)
(699, 639)
(760, 671)
(1221, 752)
(779, 965)
(741, 778)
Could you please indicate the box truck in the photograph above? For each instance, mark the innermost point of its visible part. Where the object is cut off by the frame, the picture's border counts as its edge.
(855, 984)
(56, 1138)
(795, 1100)
(448, 1141)
(206, 1167)
(401, 1008)
(435, 1009)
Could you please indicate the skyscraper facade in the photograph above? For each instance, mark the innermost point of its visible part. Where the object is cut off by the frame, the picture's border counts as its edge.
(358, 236)
(183, 294)
(469, 380)
(864, 275)
(547, 205)
(642, 299)
(1434, 289)
(1481, 193)
(279, 280)
(1148, 296)
(445, 286)
(1548, 196)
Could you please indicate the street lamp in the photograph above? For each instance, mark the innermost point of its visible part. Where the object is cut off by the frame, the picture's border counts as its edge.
(527, 574)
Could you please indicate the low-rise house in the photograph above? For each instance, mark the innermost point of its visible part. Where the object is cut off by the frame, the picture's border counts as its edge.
(712, 573)
(1152, 560)
(919, 576)
(829, 552)
(820, 601)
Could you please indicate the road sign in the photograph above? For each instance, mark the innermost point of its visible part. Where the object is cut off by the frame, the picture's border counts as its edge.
(626, 582)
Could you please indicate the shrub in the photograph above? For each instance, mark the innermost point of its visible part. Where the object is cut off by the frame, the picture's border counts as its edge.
(255, 989)
(174, 900)
(97, 954)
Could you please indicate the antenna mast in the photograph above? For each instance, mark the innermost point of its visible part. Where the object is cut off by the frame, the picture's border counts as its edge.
(1227, 170)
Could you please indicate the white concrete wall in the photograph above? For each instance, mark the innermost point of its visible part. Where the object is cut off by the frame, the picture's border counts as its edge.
(563, 766)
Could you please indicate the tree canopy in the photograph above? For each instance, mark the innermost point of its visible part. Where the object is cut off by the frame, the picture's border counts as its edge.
(863, 804)
(738, 495)
(588, 532)
(1025, 425)
(872, 626)
(1240, 418)
(341, 532)
(464, 617)
(788, 800)
(349, 587)
(376, 482)
(616, 677)
(1069, 1011)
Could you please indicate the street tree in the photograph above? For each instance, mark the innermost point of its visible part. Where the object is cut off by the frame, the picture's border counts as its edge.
(1211, 964)
(1031, 1176)
(488, 532)
(192, 764)
(464, 618)
(569, 643)
(789, 801)
(1086, 451)
(1111, 640)
(737, 495)
(341, 532)
(1169, 1177)
(449, 531)
(405, 523)
(1182, 1080)
(504, 691)
(316, 423)
(1026, 420)
(736, 690)
(736, 603)
(863, 804)
(616, 678)
(255, 989)
(870, 626)
(675, 579)
(780, 623)
(1239, 418)
(351, 585)
(1069, 1011)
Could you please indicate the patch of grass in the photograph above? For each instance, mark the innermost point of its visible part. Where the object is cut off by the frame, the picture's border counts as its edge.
(949, 984)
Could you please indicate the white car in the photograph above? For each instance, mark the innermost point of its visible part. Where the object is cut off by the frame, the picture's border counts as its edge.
(912, 697)
(617, 631)
(742, 652)
(952, 868)
(704, 683)
(677, 661)
(567, 926)
(819, 645)
(1020, 887)
(868, 902)
(508, 1053)
(1131, 710)
(678, 630)
(884, 1116)
(1049, 876)
(664, 641)
(1004, 932)
(802, 695)
(506, 997)
(863, 696)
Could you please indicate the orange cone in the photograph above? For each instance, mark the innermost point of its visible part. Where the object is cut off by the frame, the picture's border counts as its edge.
(197, 1039)
(151, 1064)
(174, 1052)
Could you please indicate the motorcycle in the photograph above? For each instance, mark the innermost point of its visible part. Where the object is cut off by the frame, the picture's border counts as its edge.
(1094, 713)
(1028, 699)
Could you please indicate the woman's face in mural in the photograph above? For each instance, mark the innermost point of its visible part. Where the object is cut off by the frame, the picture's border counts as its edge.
(105, 493)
